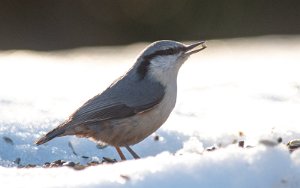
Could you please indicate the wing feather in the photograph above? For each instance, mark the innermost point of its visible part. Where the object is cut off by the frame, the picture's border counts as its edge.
(126, 97)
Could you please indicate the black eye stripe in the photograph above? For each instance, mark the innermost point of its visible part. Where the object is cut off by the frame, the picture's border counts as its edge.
(142, 69)
(169, 51)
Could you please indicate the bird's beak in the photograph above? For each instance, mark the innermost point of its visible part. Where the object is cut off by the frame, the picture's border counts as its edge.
(191, 49)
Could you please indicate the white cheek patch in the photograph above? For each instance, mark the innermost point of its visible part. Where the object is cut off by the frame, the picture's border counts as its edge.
(164, 62)
(164, 68)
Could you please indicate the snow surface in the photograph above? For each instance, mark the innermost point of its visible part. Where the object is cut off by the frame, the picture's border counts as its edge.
(240, 89)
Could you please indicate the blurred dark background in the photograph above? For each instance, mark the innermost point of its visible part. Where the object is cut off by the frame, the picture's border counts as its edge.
(61, 24)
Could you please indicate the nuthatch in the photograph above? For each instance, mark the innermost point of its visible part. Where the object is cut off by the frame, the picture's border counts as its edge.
(136, 104)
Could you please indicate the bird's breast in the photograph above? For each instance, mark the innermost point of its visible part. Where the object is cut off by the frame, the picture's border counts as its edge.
(131, 130)
(144, 124)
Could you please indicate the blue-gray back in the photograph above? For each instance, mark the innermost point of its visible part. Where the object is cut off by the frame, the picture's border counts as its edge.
(125, 97)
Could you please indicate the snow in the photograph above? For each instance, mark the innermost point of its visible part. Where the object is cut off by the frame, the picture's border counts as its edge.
(245, 89)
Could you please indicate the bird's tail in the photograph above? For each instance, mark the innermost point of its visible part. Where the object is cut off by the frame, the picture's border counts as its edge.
(59, 131)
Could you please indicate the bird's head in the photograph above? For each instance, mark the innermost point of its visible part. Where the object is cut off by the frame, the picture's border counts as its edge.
(164, 58)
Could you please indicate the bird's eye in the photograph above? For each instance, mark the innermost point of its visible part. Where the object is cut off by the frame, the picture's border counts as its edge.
(171, 51)
(168, 51)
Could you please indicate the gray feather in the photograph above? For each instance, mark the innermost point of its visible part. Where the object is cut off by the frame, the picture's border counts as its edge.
(50, 135)
(125, 97)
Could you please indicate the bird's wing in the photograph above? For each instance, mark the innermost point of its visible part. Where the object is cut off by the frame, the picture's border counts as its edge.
(124, 98)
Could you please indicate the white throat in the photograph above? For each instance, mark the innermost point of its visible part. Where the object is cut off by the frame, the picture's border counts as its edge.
(165, 69)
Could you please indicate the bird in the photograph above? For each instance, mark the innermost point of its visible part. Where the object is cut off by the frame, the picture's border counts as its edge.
(136, 104)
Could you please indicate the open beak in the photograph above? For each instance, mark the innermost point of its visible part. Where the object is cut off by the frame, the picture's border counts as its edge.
(191, 49)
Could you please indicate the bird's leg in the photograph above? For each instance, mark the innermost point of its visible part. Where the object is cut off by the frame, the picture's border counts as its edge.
(120, 153)
(132, 152)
